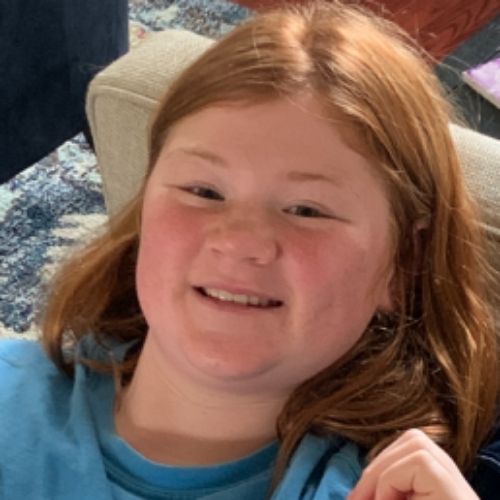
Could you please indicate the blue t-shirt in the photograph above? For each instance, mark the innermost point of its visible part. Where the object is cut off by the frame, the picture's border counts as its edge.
(57, 441)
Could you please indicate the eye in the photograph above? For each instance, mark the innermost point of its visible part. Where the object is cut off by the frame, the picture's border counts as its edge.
(203, 192)
(306, 211)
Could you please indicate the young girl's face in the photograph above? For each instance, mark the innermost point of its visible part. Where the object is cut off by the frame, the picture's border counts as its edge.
(263, 244)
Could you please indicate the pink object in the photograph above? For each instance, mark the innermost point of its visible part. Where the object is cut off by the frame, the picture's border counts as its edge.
(485, 79)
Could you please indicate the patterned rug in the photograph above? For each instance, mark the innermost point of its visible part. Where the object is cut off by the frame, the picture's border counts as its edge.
(55, 204)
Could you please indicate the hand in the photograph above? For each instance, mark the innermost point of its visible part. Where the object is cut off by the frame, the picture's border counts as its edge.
(413, 467)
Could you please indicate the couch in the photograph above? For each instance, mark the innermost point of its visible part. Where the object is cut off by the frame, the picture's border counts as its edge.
(50, 50)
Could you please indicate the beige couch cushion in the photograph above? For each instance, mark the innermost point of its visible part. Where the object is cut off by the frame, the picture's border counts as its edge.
(120, 102)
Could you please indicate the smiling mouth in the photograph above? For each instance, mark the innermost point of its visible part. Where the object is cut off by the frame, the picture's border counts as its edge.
(238, 299)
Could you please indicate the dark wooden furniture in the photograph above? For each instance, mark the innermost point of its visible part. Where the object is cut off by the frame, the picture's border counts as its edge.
(438, 25)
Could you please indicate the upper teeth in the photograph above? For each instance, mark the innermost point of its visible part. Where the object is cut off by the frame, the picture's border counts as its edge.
(240, 299)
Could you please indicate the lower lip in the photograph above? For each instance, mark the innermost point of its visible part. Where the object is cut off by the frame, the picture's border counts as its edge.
(232, 307)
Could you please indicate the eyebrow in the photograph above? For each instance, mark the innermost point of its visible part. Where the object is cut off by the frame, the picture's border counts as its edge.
(308, 176)
(217, 160)
(200, 153)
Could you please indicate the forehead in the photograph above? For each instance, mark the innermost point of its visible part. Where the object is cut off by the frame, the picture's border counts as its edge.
(286, 133)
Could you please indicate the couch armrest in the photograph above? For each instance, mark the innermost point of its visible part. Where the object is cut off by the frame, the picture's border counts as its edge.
(480, 156)
(120, 103)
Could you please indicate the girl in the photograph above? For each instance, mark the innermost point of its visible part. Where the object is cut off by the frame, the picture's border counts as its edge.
(296, 303)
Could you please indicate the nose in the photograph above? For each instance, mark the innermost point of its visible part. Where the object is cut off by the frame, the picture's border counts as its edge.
(247, 240)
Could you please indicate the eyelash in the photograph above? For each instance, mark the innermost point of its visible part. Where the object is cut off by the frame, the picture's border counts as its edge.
(317, 213)
(198, 190)
(202, 192)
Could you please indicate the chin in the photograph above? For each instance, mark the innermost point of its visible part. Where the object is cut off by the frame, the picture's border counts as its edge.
(230, 362)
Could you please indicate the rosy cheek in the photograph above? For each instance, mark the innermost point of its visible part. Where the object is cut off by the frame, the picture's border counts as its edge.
(167, 225)
(308, 256)
(324, 263)
(165, 238)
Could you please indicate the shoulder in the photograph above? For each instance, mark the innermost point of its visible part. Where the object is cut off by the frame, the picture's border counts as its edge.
(13, 347)
(23, 358)
(322, 468)
(29, 381)
(48, 439)
(340, 468)
(19, 356)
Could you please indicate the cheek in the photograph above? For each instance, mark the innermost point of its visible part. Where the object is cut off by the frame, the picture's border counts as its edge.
(331, 278)
(323, 263)
(169, 241)
(169, 231)
(331, 308)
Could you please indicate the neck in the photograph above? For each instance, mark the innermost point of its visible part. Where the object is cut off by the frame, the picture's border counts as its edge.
(171, 420)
